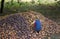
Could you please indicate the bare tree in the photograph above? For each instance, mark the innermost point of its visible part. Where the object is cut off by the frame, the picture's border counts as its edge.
(2, 6)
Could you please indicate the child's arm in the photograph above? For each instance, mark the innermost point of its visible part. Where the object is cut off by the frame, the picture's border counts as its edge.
(33, 22)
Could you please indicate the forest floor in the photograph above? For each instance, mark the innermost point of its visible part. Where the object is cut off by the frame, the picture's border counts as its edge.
(19, 26)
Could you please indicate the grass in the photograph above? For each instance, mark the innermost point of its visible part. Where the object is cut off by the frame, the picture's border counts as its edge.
(51, 11)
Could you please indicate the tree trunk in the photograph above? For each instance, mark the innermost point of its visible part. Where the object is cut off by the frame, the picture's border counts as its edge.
(2, 6)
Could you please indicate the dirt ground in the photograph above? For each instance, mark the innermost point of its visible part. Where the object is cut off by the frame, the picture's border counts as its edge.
(19, 26)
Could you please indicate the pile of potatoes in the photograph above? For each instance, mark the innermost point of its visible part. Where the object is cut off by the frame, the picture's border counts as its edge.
(20, 26)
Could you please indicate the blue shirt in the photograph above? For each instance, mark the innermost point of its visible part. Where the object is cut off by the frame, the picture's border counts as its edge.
(38, 25)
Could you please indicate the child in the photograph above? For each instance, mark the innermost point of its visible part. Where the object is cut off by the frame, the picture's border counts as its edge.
(37, 25)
